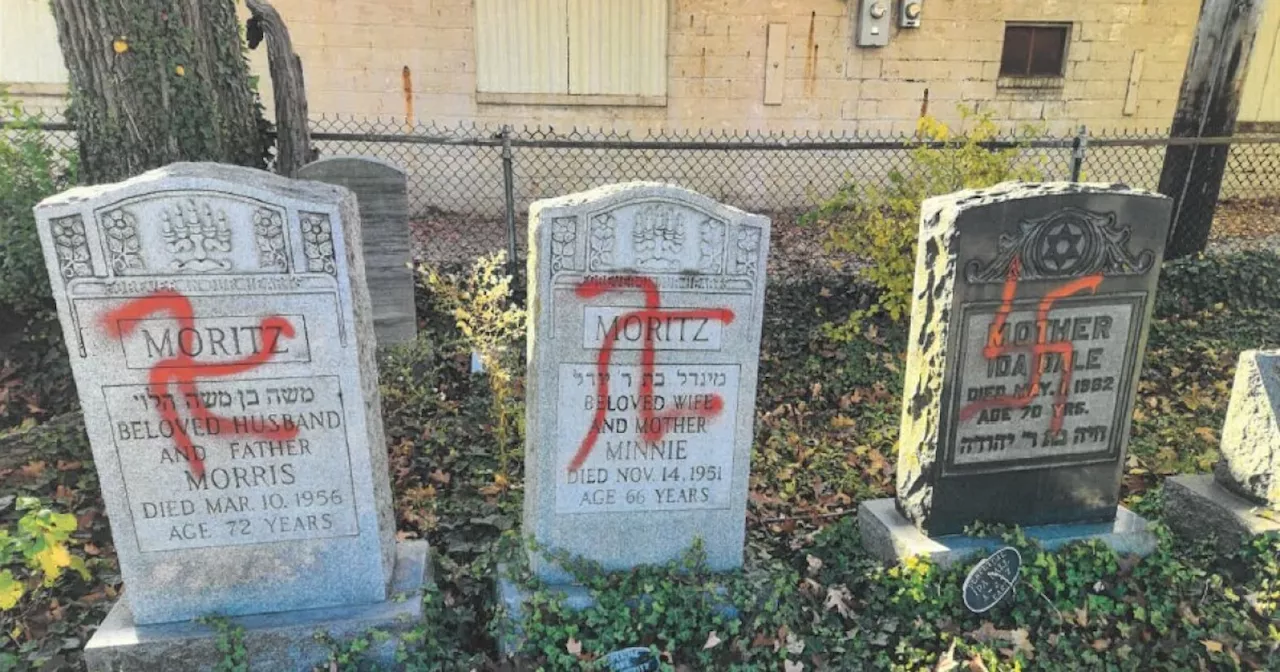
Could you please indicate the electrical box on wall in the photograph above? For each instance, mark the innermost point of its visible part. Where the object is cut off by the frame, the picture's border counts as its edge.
(874, 20)
(909, 13)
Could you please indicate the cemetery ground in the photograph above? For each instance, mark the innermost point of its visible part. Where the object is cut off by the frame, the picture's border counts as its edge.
(809, 597)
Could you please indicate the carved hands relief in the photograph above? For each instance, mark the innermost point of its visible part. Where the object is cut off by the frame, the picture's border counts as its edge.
(653, 237)
(198, 237)
(658, 237)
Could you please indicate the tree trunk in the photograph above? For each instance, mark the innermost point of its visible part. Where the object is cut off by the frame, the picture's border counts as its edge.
(293, 137)
(157, 81)
(1207, 107)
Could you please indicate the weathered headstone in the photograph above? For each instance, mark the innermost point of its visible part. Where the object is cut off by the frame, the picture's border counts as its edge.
(383, 199)
(1242, 498)
(646, 303)
(1029, 320)
(219, 331)
(1250, 465)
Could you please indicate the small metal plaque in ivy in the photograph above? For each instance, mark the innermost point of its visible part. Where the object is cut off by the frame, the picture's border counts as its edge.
(992, 579)
(634, 659)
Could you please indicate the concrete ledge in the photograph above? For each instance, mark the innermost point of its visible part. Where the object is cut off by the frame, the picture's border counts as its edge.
(512, 597)
(890, 537)
(275, 642)
(1196, 506)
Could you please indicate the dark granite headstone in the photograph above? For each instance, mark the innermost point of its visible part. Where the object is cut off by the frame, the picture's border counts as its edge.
(382, 197)
(1011, 280)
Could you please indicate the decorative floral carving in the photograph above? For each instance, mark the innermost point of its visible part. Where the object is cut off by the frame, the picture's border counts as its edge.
(711, 246)
(268, 227)
(748, 255)
(120, 231)
(317, 243)
(71, 247)
(658, 237)
(198, 237)
(564, 236)
(602, 242)
(1068, 243)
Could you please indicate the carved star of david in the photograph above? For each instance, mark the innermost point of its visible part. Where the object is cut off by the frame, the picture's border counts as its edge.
(1063, 246)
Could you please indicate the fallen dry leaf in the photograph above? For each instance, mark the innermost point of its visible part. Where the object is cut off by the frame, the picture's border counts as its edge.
(947, 661)
(838, 597)
(1019, 638)
(1212, 646)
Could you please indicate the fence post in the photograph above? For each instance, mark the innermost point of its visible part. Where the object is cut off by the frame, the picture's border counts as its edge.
(509, 195)
(1078, 147)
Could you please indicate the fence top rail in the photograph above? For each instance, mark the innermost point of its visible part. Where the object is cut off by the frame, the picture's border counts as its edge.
(377, 131)
(905, 143)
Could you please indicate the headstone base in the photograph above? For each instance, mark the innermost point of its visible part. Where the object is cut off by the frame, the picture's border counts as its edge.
(890, 537)
(1195, 505)
(513, 597)
(275, 642)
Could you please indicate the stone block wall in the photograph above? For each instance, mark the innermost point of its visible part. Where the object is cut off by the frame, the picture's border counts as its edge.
(357, 54)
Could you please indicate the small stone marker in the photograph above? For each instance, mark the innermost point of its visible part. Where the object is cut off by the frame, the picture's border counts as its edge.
(1250, 465)
(634, 659)
(644, 346)
(382, 195)
(1029, 320)
(991, 579)
(220, 336)
(1242, 498)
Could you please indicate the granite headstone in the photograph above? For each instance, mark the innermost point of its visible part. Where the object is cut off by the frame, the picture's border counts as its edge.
(646, 303)
(1242, 497)
(383, 199)
(1029, 320)
(1250, 465)
(220, 336)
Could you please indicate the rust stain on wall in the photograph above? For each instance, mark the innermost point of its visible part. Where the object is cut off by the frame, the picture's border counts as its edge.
(406, 83)
(811, 56)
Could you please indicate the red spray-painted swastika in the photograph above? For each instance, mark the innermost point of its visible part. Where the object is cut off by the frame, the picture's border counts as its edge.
(995, 347)
(653, 422)
(183, 369)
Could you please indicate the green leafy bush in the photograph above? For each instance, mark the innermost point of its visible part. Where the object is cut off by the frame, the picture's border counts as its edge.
(37, 547)
(1242, 280)
(30, 170)
(35, 377)
(880, 224)
(492, 324)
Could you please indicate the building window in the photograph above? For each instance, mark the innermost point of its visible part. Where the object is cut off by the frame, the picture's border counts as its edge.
(571, 51)
(1034, 50)
(29, 52)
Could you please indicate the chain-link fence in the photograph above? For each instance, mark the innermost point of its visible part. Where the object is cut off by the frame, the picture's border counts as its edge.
(471, 185)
